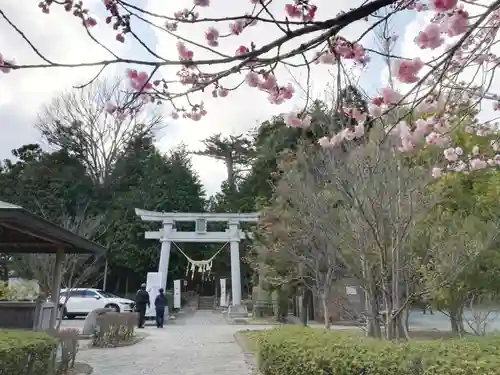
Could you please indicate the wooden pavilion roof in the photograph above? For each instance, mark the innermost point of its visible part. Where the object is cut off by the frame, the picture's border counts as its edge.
(24, 232)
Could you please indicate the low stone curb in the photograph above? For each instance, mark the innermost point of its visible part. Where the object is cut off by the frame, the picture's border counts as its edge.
(137, 339)
(81, 368)
(250, 359)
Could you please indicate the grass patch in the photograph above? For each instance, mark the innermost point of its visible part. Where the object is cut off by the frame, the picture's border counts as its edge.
(262, 321)
(247, 340)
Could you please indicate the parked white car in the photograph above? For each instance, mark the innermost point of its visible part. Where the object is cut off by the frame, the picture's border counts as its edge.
(82, 301)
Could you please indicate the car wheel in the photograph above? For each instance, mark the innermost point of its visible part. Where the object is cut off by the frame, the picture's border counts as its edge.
(114, 307)
(69, 316)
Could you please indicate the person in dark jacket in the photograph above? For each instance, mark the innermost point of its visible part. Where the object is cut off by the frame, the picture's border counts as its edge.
(161, 303)
(141, 301)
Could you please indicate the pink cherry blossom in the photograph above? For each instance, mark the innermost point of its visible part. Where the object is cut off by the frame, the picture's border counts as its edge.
(3, 67)
(325, 58)
(355, 114)
(477, 163)
(139, 80)
(390, 96)
(450, 154)
(457, 24)
(407, 70)
(278, 95)
(174, 115)
(419, 7)
(423, 127)
(433, 138)
(237, 27)
(252, 79)
(310, 13)
(293, 11)
(443, 5)
(460, 166)
(212, 36)
(430, 37)
(223, 92)
(269, 82)
(202, 3)
(241, 51)
(184, 53)
(406, 144)
(324, 142)
(436, 172)
(90, 22)
(171, 26)
(374, 110)
(294, 120)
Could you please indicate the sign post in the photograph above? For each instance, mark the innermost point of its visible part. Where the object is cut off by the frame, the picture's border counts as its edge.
(223, 300)
(177, 294)
(153, 285)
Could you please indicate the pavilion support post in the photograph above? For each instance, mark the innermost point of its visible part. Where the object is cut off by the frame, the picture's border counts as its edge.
(56, 286)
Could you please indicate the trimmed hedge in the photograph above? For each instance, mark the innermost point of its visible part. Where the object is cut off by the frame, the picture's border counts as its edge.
(25, 353)
(310, 351)
(114, 329)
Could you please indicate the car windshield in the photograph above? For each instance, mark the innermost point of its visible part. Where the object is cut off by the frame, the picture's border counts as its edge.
(106, 294)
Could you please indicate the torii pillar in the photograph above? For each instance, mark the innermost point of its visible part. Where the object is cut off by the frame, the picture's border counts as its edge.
(165, 251)
(235, 262)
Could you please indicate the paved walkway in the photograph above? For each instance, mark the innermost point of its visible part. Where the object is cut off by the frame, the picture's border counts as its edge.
(202, 344)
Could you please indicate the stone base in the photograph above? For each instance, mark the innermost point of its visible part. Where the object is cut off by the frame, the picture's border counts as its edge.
(237, 312)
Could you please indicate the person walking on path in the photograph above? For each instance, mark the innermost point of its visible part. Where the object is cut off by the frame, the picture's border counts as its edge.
(161, 303)
(141, 301)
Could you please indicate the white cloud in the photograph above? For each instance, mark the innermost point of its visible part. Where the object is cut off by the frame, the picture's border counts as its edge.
(61, 38)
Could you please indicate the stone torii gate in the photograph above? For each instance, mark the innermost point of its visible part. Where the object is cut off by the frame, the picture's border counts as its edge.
(169, 234)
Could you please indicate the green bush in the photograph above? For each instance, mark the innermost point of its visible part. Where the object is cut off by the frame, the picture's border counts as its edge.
(310, 351)
(25, 353)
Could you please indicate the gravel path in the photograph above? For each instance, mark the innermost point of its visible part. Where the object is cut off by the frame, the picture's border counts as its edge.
(201, 344)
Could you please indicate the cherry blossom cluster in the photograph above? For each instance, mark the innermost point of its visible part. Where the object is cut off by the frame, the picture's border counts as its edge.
(71, 6)
(119, 23)
(450, 20)
(5, 65)
(267, 82)
(349, 51)
(139, 81)
(302, 10)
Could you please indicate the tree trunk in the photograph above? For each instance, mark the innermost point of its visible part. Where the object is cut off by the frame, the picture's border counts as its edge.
(372, 321)
(406, 322)
(326, 312)
(230, 172)
(457, 320)
(4, 270)
(304, 306)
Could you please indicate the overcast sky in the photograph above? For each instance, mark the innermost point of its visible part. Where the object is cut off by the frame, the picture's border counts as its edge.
(60, 37)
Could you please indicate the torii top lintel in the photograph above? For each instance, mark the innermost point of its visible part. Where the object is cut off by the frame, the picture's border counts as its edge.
(190, 216)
